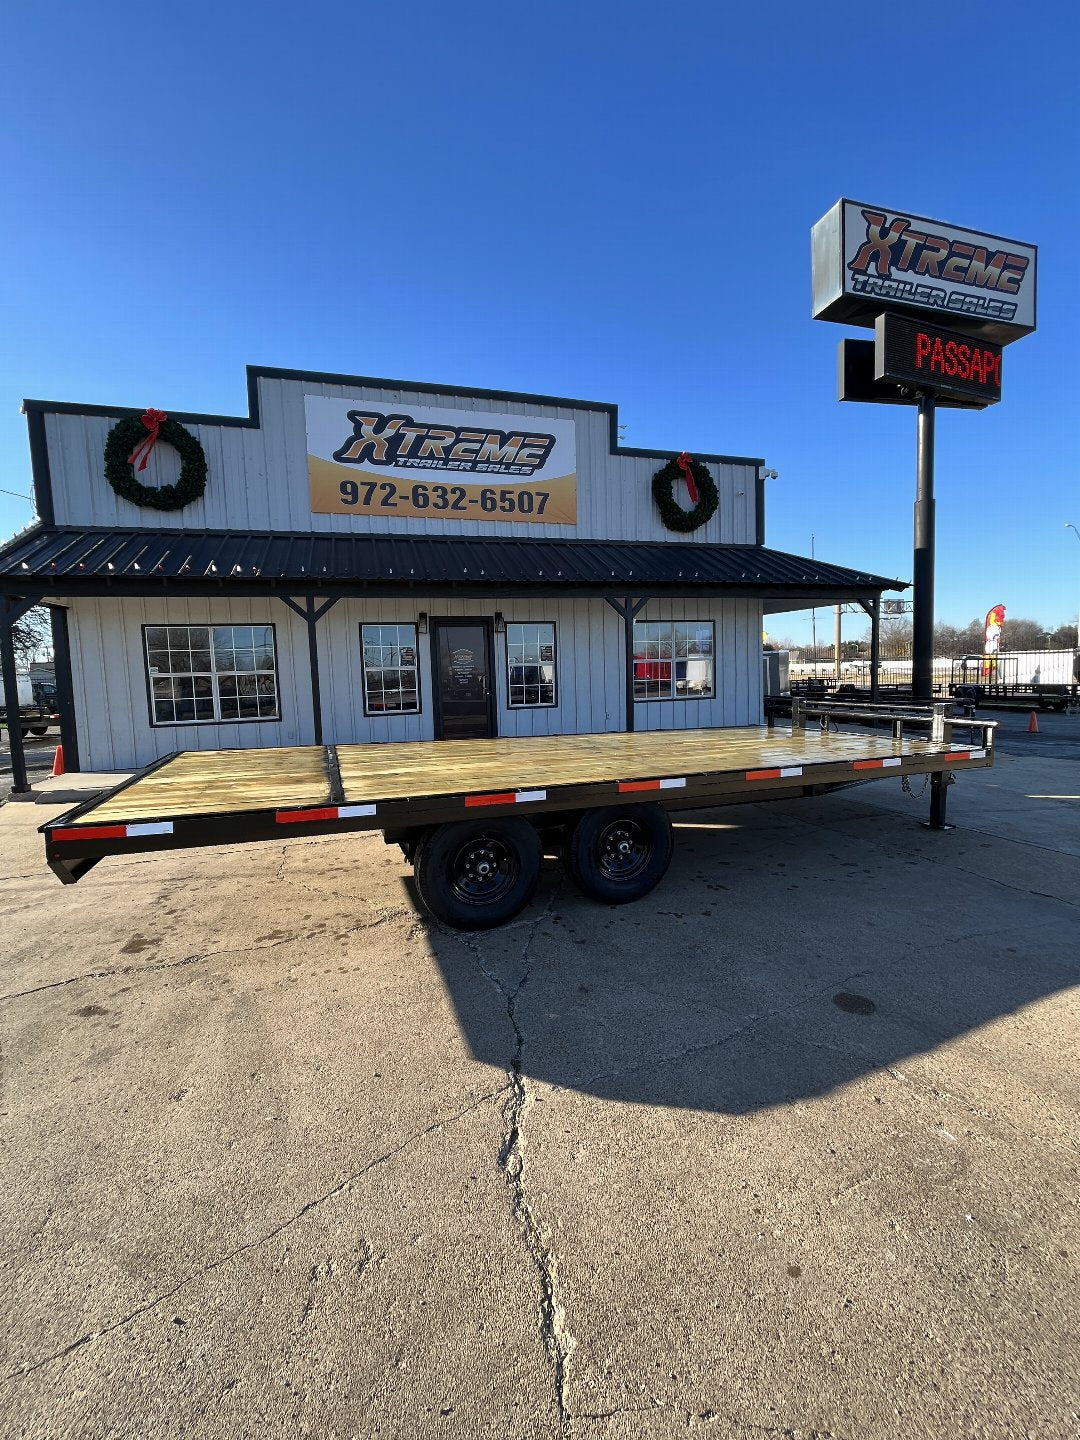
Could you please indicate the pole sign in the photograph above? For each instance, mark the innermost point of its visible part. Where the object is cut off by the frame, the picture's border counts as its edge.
(868, 259)
(921, 354)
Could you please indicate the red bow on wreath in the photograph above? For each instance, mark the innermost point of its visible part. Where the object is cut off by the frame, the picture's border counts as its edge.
(684, 464)
(153, 420)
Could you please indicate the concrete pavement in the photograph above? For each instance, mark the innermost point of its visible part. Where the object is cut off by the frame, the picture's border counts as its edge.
(787, 1149)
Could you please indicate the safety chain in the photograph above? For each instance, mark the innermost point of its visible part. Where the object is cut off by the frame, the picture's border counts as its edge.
(947, 778)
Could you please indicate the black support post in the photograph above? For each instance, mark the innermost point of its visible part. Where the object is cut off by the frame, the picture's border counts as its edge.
(628, 607)
(311, 612)
(65, 689)
(20, 784)
(922, 657)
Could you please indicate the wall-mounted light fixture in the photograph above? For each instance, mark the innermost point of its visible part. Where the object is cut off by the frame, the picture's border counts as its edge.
(421, 622)
(500, 623)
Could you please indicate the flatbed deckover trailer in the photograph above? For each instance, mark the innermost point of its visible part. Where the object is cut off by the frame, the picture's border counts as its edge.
(473, 816)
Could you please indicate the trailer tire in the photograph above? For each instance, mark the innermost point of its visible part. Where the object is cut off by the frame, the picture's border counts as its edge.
(475, 875)
(37, 729)
(619, 853)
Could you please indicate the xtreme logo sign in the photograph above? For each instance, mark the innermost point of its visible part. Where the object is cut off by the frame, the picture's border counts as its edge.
(401, 442)
(894, 248)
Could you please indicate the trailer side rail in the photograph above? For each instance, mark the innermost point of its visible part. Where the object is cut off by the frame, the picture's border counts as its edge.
(314, 800)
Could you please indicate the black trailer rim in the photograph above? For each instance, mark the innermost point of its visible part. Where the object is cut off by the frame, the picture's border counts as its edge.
(623, 849)
(483, 870)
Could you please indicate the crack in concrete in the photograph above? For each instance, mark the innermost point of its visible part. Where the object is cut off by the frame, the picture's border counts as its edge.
(382, 918)
(346, 1184)
(703, 1048)
(558, 1340)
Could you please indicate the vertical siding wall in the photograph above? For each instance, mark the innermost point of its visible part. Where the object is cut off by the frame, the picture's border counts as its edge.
(109, 678)
(112, 707)
(258, 477)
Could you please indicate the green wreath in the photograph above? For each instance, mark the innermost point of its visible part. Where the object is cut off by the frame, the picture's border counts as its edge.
(671, 512)
(127, 436)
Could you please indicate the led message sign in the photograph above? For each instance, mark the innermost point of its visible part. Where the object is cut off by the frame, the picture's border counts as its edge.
(923, 355)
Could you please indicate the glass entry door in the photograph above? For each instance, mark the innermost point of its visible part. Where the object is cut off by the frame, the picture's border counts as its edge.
(464, 679)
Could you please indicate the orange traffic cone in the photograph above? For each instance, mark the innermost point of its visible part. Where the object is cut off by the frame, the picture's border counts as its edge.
(1033, 724)
(58, 761)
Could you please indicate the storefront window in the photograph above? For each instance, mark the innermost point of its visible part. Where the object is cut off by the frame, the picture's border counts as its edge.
(205, 674)
(530, 665)
(673, 659)
(390, 671)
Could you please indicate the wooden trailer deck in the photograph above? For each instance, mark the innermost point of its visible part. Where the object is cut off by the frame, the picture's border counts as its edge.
(228, 796)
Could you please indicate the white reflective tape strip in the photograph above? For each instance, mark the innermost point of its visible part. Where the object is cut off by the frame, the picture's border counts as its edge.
(673, 784)
(347, 812)
(524, 796)
(976, 754)
(888, 763)
(163, 827)
(795, 770)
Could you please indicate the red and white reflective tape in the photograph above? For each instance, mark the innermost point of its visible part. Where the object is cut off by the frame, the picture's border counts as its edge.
(113, 832)
(323, 812)
(506, 797)
(877, 764)
(967, 754)
(789, 772)
(672, 782)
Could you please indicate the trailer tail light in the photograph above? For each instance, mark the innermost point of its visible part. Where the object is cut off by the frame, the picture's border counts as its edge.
(322, 812)
(506, 797)
(790, 772)
(113, 832)
(672, 782)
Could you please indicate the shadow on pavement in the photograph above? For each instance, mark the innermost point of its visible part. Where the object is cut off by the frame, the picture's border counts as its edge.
(791, 949)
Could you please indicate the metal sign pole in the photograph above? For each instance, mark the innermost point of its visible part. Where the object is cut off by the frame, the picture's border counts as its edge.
(922, 650)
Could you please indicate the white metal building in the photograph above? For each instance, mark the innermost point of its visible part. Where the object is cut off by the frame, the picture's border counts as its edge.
(375, 560)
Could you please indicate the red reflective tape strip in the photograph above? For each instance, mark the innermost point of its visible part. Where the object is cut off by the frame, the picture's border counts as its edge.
(92, 832)
(959, 754)
(626, 786)
(763, 774)
(301, 817)
(868, 764)
(508, 797)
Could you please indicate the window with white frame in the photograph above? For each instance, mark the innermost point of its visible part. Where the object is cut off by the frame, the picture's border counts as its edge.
(207, 674)
(673, 659)
(530, 665)
(390, 670)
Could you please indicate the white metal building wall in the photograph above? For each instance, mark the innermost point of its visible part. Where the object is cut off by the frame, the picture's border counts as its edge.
(112, 709)
(108, 666)
(258, 478)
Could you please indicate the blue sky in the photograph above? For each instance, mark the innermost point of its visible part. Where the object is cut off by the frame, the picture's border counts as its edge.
(606, 201)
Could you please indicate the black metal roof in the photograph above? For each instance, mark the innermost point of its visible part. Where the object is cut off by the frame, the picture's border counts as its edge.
(66, 561)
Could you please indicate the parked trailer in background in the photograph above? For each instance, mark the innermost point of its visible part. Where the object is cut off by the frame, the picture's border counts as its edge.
(37, 706)
(475, 817)
(1048, 679)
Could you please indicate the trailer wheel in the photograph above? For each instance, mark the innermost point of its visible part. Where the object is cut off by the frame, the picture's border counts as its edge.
(476, 875)
(620, 852)
(37, 729)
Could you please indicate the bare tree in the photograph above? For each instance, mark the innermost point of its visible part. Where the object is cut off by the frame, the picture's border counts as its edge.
(32, 637)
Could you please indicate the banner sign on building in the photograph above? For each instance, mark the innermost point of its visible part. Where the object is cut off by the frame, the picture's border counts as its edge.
(868, 259)
(921, 354)
(433, 464)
